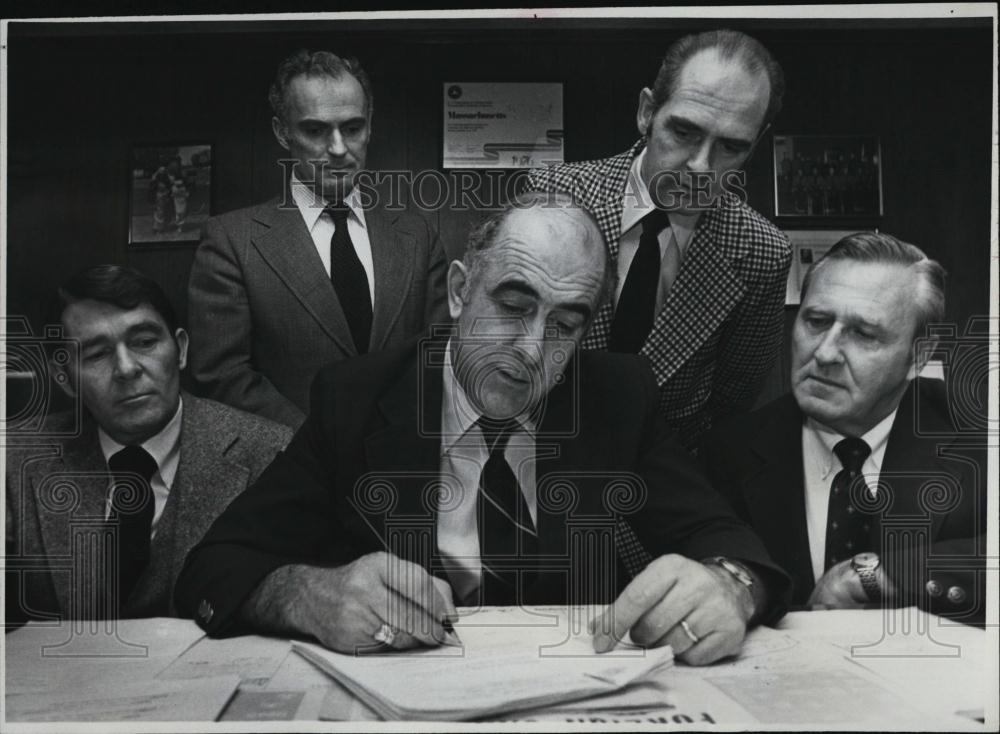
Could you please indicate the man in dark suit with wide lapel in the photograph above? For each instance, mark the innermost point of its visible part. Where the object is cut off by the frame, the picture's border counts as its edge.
(496, 467)
(138, 476)
(701, 275)
(859, 481)
(323, 272)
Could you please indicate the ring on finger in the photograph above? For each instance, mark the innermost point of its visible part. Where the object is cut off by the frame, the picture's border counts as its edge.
(689, 632)
(386, 634)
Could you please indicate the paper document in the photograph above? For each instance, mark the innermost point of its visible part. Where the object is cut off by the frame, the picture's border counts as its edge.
(138, 700)
(509, 660)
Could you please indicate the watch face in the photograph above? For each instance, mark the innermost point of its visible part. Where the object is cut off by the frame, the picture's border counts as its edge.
(865, 560)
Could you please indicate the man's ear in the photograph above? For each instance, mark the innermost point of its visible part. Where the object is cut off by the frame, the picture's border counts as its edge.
(181, 337)
(458, 279)
(644, 113)
(922, 352)
(280, 132)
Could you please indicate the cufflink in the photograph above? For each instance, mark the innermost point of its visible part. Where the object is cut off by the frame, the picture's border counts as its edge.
(956, 594)
(934, 588)
(205, 611)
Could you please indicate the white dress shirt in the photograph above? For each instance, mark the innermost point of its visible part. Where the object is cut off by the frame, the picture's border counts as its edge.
(821, 465)
(463, 456)
(321, 228)
(165, 448)
(637, 203)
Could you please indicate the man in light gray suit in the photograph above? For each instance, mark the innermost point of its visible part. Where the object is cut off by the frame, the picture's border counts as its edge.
(318, 275)
(99, 521)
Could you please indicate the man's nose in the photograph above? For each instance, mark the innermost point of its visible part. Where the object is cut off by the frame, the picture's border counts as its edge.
(335, 145)
(700, 158)
(828, 350)
(126, 365)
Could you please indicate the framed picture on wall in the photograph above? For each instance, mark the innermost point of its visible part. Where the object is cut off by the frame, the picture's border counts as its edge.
(827, 176)
(170, 192)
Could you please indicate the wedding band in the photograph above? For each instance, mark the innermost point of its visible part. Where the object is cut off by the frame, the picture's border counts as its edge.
(385, 634)
(687, 630)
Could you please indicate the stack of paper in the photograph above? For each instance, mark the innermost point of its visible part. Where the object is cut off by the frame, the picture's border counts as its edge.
(509, 661)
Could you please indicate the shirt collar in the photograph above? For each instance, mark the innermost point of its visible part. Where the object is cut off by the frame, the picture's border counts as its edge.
(311, 206)
(637, 202)
(163, 447)
(458, 414)
(876, 438)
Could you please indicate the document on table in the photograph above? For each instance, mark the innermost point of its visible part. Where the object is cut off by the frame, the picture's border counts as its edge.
(138, 700)
(510, 659)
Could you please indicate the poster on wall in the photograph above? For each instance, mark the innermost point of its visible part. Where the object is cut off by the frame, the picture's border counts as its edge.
(170, 189)
(808, 246)
(502, 125)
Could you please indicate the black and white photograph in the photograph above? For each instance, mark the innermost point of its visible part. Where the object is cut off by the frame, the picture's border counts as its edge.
(171, 187)
(531, 368)
(819, 176)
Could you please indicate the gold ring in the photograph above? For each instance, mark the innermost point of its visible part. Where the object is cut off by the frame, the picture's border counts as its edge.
(691, 635)
(386, 634)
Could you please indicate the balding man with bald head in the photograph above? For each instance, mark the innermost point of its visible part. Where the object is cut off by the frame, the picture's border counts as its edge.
(492, 465)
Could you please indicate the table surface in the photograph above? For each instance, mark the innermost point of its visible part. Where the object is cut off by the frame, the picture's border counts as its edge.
(856, 669)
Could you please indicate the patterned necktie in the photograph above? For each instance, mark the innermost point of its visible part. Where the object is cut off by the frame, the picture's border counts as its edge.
(349, 279)
(507, 537)
(132, 509)
(636, 308)
(846, 527)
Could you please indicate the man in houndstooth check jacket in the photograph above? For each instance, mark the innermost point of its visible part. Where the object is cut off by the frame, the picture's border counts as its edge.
(717, 319)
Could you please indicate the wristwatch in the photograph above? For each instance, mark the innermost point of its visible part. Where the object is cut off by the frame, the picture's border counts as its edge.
(739, 572)
(866, 566)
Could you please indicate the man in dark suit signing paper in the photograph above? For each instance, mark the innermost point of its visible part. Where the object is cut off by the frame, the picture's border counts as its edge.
(499, 466)
(319, 274)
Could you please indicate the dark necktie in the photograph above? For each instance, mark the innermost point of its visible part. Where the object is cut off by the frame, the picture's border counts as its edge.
(132, 508)
(507, 537)
(349, 279)
(847, 527)
(636, 308)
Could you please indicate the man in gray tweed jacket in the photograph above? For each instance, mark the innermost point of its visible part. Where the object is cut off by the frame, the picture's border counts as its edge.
(701, 275)
(104, 502)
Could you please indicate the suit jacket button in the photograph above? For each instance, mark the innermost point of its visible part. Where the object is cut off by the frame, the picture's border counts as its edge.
(934, 588)
(205, 611)
(956, 594)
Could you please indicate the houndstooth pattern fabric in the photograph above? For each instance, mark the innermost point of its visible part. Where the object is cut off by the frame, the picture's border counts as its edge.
(631, 551)
(721, 324)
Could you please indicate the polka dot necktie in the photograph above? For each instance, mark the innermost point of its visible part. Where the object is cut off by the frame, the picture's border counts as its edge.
(847, 528)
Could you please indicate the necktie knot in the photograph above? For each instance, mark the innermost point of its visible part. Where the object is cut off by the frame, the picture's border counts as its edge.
(496, 434)
(133, 459)
(852, 453)
(338, 213)
(655, 222)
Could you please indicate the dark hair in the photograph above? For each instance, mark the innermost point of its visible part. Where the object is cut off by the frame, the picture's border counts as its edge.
(120, 286)
(729, 45)
(483, 236)
(878, 247)
(311, 64)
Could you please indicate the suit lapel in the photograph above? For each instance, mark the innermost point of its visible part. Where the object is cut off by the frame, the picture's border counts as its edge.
(72, 498)
(204, 474)
(689, 315)
(406, 450)
(393, 251)
(912, 462)
(775, 494)
(285, 243)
